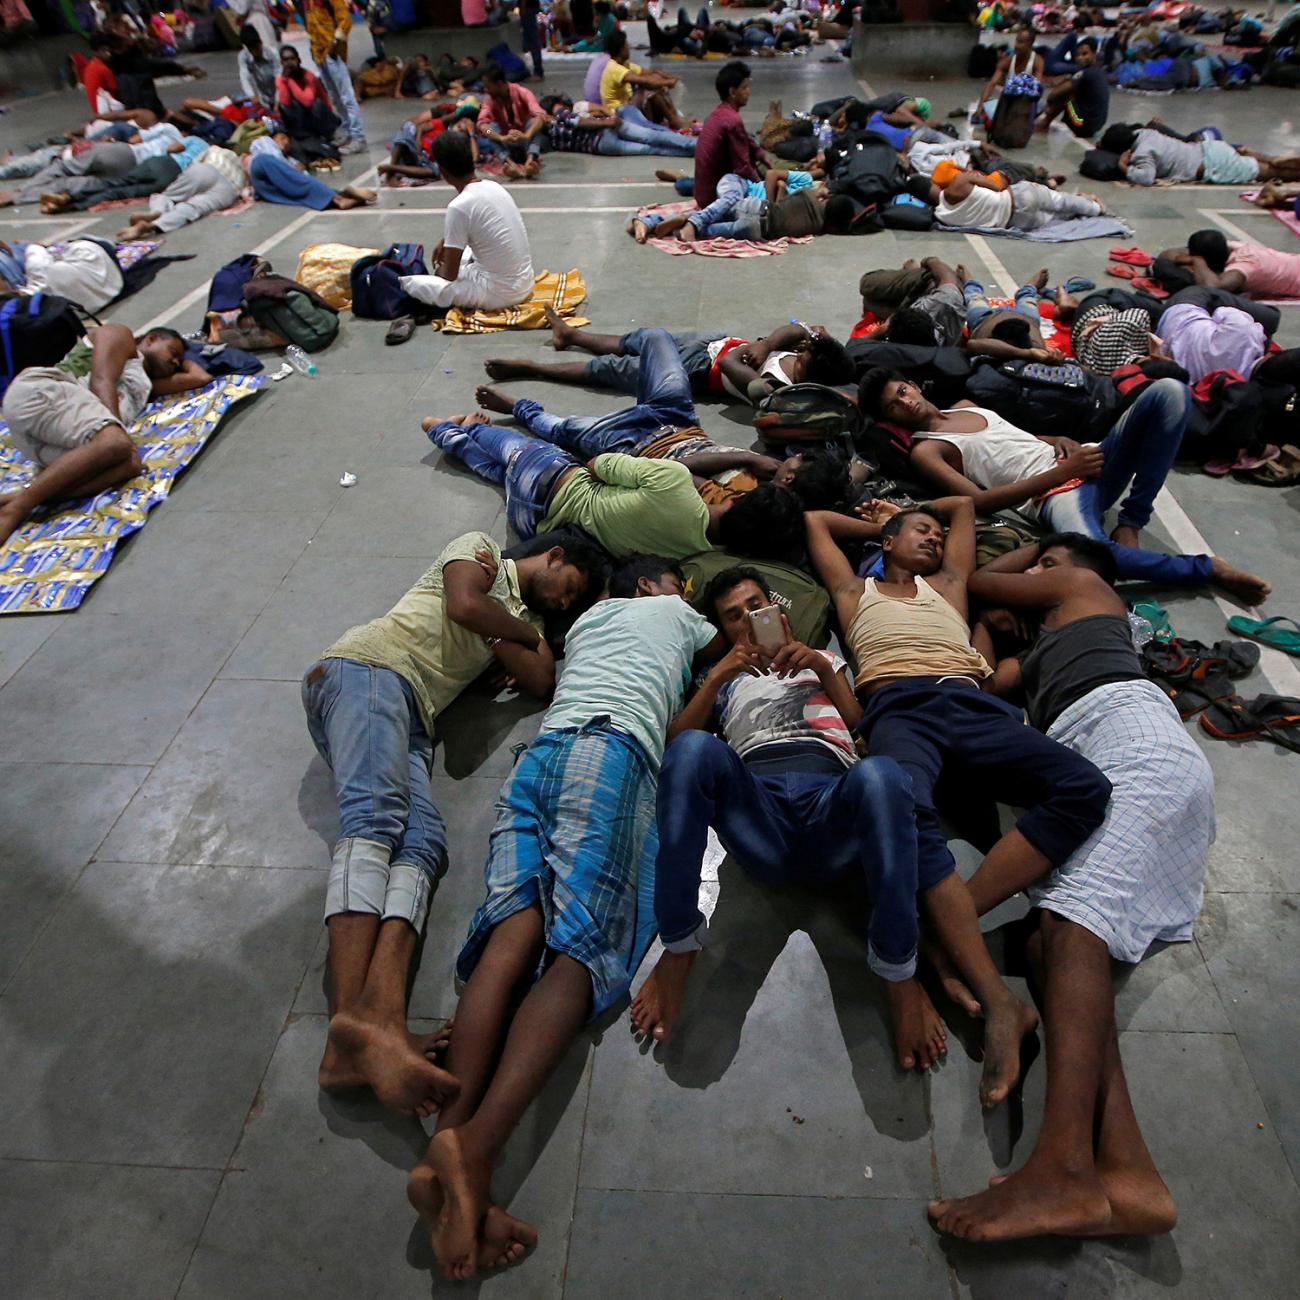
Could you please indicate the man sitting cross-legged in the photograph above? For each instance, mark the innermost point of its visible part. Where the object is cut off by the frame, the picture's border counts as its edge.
(1137, 880)
(718, 365)
(371, 702)
(72, 419)
(975, 452)
(919, 678)
(784, 790)
(569, 908)
(625, 502)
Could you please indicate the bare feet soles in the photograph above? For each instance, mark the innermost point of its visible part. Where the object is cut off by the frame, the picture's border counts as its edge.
(663, 174)
(384, 1056)
(1037, 1200)
(638, 230)
(1007, 1023)
(503, 368)
(491, 400)
(949, 979)
(919, 1036)
(12, 518)
(659, 1002)
(339, 1073)
(1040, 280)
(1246, 587)
(464, 1187)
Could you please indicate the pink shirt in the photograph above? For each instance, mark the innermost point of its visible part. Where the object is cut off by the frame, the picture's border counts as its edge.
(523, 107)
(1269, 273)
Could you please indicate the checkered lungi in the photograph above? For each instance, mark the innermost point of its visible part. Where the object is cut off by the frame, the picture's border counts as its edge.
(576, 832)
(1140, 876)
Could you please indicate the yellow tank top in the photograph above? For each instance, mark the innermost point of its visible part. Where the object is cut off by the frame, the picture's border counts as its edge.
(920, 636)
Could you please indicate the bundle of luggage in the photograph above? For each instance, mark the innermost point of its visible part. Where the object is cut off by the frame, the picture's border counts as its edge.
(253, 308)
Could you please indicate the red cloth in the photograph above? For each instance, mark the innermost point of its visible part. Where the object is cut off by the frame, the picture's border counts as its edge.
(514, 116)
(715, 370)
(724, 146)
(97, 76)
(864, 327)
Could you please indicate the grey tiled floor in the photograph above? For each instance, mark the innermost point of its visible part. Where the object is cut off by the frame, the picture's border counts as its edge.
(166, 827)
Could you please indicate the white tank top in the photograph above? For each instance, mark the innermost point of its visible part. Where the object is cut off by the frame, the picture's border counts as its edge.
(999, 453)
(1014, 71)
(980, 208)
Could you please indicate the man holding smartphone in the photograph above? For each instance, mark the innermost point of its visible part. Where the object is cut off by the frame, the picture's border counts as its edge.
(783, 788)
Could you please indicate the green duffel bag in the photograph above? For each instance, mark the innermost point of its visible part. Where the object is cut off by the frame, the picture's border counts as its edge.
(295, 316)
(804, 600)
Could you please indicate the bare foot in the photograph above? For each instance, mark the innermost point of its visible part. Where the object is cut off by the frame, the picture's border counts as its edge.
(911, 265)
(12, 519)
(532, 167)
(505, 1240)
(339, 1071)
(1140, 1203)
(950, 981)
(1007, 1023)
(503, 368)
(663, 174)
(6, 198)
(1040, 280)
(463, 1183)
(658, 1003)
(1033, 1202)
(55, 202)
(360, 193)
(961, 272)
(638, 230)
(1246, 587)
(491, 400)
(512, 171)
(688, 234)
(382, 1054)
(1123, 535)
(919, 1036)
(561, 333)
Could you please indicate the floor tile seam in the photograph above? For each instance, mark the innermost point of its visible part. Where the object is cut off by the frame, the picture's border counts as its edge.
(577, 1173)
(760, 1196)
(112, 1164)
(27, 657)
(200, 866)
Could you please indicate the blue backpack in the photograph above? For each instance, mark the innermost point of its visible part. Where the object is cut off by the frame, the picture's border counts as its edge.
(35, 331)
(377, 293)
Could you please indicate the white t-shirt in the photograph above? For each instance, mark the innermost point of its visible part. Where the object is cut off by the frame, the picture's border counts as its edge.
(483, 219)
(769, 710)
(774, 367)
(981, 209)
(631, 661)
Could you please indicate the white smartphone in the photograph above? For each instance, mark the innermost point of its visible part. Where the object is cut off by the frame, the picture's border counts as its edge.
(767, 629)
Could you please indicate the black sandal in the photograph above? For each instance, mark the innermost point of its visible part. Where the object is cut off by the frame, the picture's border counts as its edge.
(400, 330)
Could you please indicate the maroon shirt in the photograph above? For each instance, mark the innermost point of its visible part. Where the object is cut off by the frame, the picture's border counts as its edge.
(724, 146)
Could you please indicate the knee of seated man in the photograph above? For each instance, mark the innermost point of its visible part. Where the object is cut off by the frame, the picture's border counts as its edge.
(877, 784)
(693, 753)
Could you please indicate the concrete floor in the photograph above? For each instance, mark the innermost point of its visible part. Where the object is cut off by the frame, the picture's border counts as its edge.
(167, 829)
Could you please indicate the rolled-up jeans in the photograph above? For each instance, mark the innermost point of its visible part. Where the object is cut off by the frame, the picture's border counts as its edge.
(978, 306)
(788, 827)
(1139, 451)
(365, 723)
(1039, 205)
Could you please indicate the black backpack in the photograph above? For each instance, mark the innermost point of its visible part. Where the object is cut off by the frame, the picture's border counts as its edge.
(983, 61)
(39, 330)
(807, 413)
(1101, 165)
(1046, 399)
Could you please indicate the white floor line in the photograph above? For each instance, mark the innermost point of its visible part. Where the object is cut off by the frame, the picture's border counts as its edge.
(45, 221)
(1219, 218)
(201, 292)
(1279, 670)
(372, 211)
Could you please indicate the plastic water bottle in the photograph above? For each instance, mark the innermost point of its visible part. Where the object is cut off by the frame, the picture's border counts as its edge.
(824, 134)
(299, 360)
(1140, 629)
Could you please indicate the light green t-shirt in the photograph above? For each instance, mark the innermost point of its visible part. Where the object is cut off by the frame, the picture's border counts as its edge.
(419, 642)
(629, 659)
(632, 505)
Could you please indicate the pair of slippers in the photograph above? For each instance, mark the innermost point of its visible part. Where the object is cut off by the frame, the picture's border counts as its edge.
(1196, 676)
(1273, 717)
(1279, 470)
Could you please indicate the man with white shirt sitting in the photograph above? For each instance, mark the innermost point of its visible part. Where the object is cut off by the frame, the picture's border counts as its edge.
(483, 258)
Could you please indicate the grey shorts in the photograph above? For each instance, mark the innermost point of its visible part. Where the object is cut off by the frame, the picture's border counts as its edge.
(49, 412)
(946, 308)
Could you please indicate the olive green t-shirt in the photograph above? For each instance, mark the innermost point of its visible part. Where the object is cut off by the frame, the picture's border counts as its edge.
(632, 505)
(417, 640)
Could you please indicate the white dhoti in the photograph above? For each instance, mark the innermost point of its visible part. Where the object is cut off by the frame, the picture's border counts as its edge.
(472, 287)
(1140, 876)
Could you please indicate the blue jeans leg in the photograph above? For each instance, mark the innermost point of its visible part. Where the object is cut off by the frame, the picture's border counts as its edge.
(731, 189)
(630, 113)
(746, 222)
(977, 303)
(1140, 450)
(334, 73)
(1027, 302)
(364, 722)
(610, 144)
(685, 186)
(663, 140)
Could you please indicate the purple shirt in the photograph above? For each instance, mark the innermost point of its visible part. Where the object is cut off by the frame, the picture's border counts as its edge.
(1202, 344)
(724, 146)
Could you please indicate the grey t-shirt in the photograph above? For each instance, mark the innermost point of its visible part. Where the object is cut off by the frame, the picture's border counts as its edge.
(946, 308)
(1159, 157)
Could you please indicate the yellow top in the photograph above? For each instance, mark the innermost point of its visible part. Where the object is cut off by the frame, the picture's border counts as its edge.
(916, 636)
(614, 90)
(417, 640)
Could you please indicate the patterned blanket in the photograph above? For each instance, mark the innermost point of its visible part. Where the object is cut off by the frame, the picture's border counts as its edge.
(562, 291)
(50, 563)
(716, 247)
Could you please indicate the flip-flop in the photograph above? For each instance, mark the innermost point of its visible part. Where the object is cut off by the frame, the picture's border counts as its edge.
(1267, 631)
(1079, 284)
(1157, 615)
(400, 330)
(1193, 697)
(1280, 717)
(1282, 470)
(1230, 719)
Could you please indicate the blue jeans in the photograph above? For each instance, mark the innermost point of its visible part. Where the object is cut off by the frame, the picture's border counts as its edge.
(685, 186)
(621, 370)
(1058, 62)
(1139, 451)
(365, 724)
(663, 400)
(519, 153)
(334, 73)
(787, 828)
(925, 724)
(660, 138)
(977, 303)
(634, 116)
(528, 468)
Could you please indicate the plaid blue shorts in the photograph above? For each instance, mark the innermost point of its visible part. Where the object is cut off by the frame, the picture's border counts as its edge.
(576, 833)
